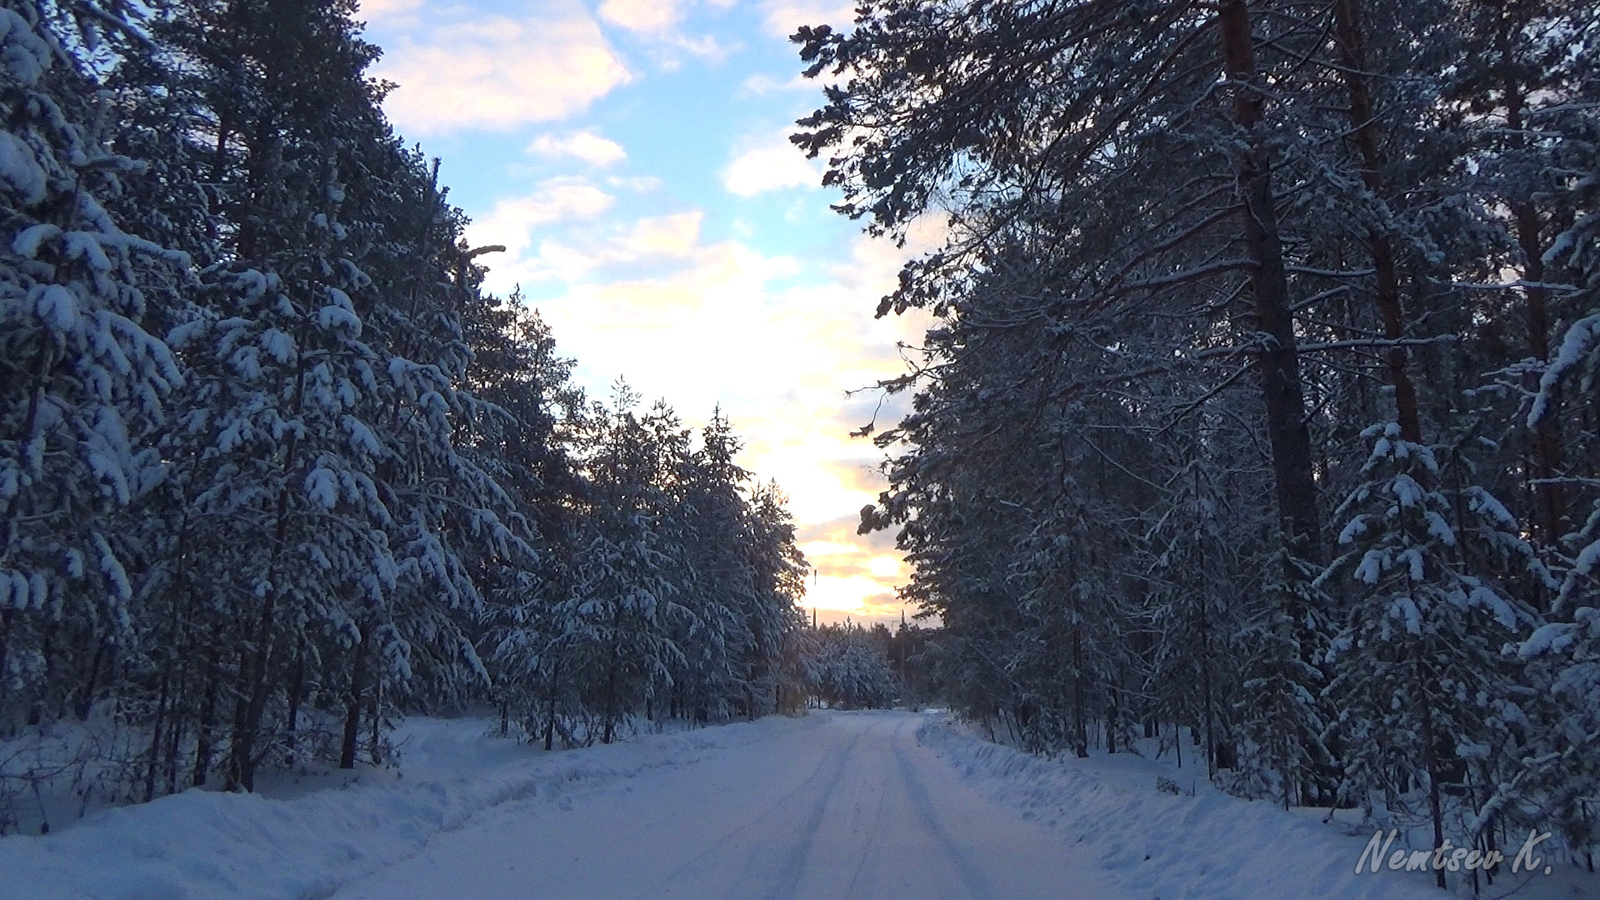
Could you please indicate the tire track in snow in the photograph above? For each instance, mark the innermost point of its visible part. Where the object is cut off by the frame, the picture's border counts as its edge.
(726, 844)
(873, 850)
(970, 874)
(793, 866)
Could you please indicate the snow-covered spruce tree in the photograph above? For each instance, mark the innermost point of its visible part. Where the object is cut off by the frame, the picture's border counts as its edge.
(523, 438)
(1522, 78)
(81, 382)
(1562, 767)
(1421, 684)
(1281, 723)
(715, 675)
(779, 584)
(628, 569)
(331, 358)
(848, 667)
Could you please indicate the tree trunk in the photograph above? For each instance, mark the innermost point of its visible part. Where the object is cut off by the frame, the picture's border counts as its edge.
(1435, 808)
(156, 733)
(7, 616)
(247, 721)
(1351, 39)
(352, 719)
(1278, 362)
(208, 717)
(550, 712)
(296, 687)
(1547, 451)
(1081, 736)
(375, 749)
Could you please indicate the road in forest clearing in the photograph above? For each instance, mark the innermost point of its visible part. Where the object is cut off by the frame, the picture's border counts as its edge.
(850, 808)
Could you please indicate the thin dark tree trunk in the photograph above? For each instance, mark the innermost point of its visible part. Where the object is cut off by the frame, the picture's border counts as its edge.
(376, 748)
(1078, 715)
(175, 733)
(352, 719)
(156, 734)
(1547, 451)
(208, 717)
(1435, 807)
(1278, 362)
(86, 699)
(1112, 716)
(7, 616)
(1351, 35)
(550, 711)
(611, 676)
(296, 687)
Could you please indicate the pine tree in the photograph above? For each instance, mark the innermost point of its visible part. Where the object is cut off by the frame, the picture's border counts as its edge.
(1419, 677)
(82, 384)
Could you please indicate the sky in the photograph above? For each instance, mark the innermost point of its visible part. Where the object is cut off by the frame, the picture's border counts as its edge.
(632, 156)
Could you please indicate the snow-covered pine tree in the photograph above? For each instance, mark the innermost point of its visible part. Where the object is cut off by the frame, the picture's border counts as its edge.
(1563, 656)
(81, 382)
(628, 569)
(779, 582)
(717, 642)
(1421, 684)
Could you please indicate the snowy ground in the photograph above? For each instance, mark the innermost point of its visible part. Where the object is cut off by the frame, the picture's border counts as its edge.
(834, 805)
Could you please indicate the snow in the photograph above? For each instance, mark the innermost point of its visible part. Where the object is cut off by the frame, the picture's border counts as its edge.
(1552, 638)
(28, 240)
(203, 845)
(871, 804)
(322, 486)
(1579, 340)
(21, 169)
(57, 307)
(1163, 845)
(331, 317)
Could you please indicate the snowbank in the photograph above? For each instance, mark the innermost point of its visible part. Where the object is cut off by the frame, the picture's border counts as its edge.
(1207, 847)
(203, 845)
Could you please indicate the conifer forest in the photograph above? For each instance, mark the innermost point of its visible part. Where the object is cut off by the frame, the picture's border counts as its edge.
(1257, 422)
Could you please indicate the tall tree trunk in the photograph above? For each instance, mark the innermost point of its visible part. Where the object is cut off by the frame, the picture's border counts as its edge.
(550, 710)
(92, 684)
(1547, 451)
(358, 689)
(208, 720)
(175, 733)
(1350, 33)
(1080, 725)
(375, 746)
(242, 769)
(1278, 362)
(1430, 762)
(7, 616)
(297, 681)
(156, 734)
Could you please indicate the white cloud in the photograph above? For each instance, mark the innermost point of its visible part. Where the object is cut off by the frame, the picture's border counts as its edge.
(642, 15)
(783, 17)
(498, 72)
(760, 85)
(774, 164)
(673, 236)
(377, 9)
(639, 184)
(657, 22)
(585, 145)
(573, 257)
(512, 221)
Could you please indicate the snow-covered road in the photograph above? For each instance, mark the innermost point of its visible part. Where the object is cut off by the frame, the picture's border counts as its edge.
(853, 807)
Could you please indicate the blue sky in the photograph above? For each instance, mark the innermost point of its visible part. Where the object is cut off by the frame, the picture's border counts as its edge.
(632, 156)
